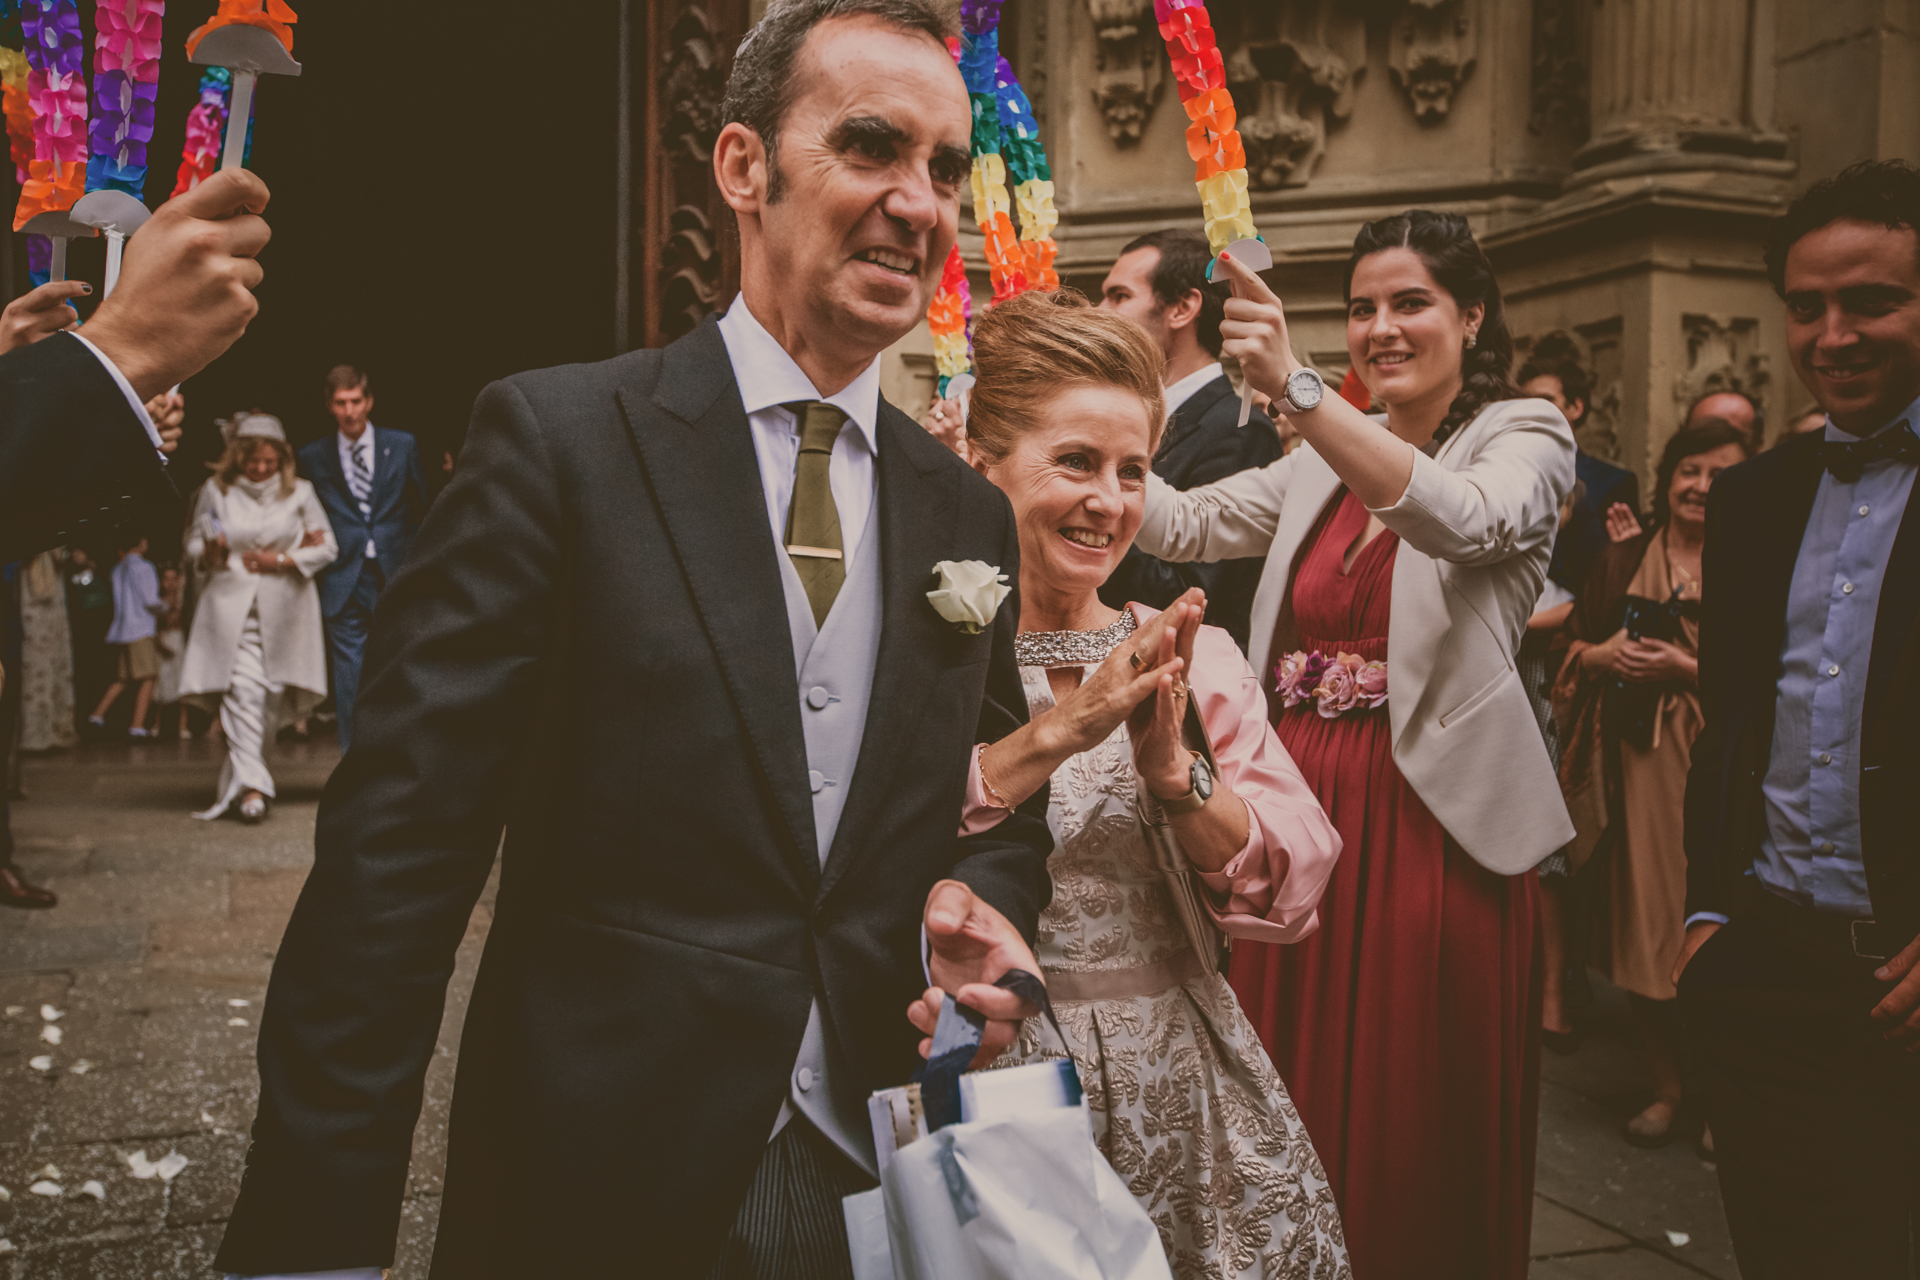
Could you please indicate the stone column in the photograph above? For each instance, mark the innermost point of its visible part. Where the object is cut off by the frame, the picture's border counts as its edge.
(1678, 82)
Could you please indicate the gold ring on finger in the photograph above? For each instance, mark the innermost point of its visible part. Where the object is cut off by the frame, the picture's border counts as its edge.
(1135, 661)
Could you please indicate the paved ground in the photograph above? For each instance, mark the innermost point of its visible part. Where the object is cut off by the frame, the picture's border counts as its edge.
(157, 960)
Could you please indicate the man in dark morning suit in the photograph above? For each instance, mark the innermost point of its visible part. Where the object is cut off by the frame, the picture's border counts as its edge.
(1160, 282)
(669, 627)
(368, 480)
(1800, 975)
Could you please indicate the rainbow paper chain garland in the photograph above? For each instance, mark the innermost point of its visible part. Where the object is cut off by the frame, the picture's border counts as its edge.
(206, 130)
(1006, 143)
(1220, 162)
(947, 316)
(57, 91)
(19, 115)
(126, 80)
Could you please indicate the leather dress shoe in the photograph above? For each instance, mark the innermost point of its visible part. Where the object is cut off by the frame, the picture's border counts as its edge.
(15, 892)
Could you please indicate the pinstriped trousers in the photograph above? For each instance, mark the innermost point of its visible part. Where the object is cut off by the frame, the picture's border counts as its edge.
(790, 1226)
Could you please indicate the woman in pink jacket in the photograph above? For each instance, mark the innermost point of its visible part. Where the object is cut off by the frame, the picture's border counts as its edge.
(1185, 1102)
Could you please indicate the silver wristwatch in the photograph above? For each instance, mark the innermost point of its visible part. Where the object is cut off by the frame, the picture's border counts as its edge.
(1304, 390)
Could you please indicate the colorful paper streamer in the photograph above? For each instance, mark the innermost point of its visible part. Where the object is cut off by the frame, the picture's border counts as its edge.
(206, 131)
(57, 94)
(126, 81)
(947, 316)
(18, 112)
(269, 15)
(1213, 141)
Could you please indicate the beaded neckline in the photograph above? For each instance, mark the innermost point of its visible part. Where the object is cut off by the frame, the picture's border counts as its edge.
(1072, 648)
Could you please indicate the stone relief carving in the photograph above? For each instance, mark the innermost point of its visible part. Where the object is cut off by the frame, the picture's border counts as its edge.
(1431, 50)
(1723, 354)
(1129, 65)
(1595, 349)
(1291, 77)
(1559, 70)
(692, 83)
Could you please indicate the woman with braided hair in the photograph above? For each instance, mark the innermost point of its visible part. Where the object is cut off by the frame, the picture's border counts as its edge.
(1403, 559)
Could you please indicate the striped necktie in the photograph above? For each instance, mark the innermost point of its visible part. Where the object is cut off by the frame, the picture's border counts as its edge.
(813, 521)
(360, 476)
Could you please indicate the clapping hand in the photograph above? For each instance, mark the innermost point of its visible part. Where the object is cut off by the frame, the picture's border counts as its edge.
(1622, 524)
(971, 946)
(39, 313)
(1119, 687)
(1160, 754)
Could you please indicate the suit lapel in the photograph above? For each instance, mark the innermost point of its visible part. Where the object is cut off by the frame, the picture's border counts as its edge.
(697, 448)
(915, 507)
(1186, 419)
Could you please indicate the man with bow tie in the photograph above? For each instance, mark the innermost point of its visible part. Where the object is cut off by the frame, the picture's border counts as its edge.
(1800, 976)
(368, 479)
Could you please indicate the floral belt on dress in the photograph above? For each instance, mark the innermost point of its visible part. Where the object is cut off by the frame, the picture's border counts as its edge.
(1341, 683)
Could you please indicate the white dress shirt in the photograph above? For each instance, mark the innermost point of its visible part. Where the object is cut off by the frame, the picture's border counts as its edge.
(769, 380)
(1182, 391)
(346, 448)
(126, 389)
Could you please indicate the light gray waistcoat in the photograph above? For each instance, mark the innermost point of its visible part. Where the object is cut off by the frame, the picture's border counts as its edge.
(836, 669)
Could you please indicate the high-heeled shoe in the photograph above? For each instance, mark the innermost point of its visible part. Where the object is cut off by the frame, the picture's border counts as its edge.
(1564, 1043)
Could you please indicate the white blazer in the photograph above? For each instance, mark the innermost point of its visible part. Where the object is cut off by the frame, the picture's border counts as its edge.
(1476, 525)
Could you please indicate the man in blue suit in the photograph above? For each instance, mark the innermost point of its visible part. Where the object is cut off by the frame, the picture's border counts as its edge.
(368, 478)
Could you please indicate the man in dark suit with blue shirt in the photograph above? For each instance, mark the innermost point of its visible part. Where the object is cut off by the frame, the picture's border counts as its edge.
(1800, 973)
(368, 478)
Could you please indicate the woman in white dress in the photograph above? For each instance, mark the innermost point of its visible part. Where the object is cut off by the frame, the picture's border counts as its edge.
(46, 658)
(1185, 1103)
(256, 653)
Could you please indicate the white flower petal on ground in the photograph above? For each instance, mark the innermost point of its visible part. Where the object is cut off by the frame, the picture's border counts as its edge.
(5, 1195)
(6, 1245)
(15, 1010)
(81, 1067)
(236, 1022)
(49, 1189)
(52, 1014)
(239, 1004)
(141, 1167)
(1677, 1238)
(94, 1189)
(206, 1117)
(42, 1063)
(52, 1034)
(51, 1172)
(170, 1165)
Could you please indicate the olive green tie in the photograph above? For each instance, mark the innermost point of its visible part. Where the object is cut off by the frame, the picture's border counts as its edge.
(813, 522)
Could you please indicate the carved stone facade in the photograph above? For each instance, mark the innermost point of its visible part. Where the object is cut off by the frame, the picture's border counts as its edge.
(1292, 72)
(1432, 51)
(1724, 353)
(1130, 65)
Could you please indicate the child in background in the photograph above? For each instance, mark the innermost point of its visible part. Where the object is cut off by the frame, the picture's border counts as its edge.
(136, 606)
(172, 643)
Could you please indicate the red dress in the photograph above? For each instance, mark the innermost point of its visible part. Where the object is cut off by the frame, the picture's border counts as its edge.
(1406, 1028)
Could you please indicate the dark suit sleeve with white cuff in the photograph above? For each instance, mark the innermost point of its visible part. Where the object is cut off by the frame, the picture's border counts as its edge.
(76, 463)
(589, 648)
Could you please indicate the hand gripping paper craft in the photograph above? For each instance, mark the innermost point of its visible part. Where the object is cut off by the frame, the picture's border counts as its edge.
(248, 38)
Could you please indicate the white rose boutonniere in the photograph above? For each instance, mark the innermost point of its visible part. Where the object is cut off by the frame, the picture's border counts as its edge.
(969, 594)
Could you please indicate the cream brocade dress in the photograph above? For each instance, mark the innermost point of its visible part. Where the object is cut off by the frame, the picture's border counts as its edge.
(1185, 1103)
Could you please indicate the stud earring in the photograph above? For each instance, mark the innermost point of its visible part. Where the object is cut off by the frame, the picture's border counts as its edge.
(1472, 339)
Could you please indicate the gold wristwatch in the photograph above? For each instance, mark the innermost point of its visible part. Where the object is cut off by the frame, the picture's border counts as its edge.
(1199, 791)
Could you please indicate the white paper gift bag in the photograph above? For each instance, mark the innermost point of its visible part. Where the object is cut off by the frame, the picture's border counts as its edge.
(1007, 1183)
